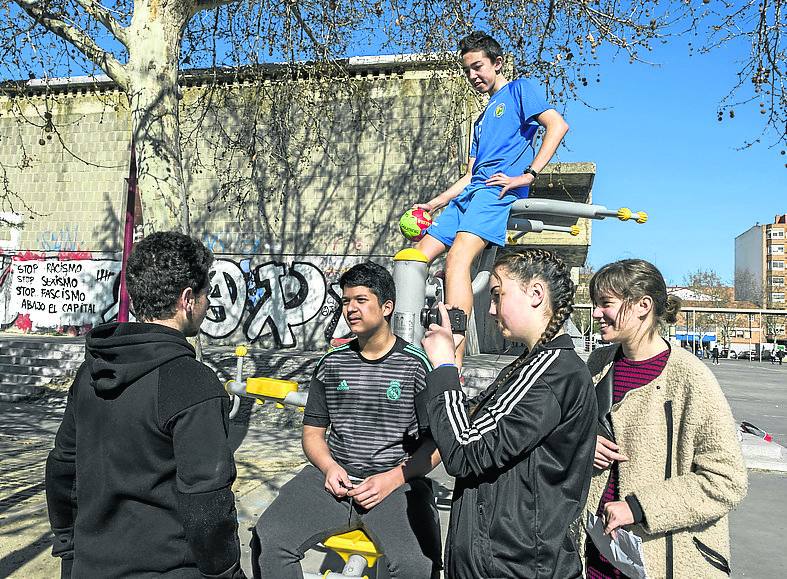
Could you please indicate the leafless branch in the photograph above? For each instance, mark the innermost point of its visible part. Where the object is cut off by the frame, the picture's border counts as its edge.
(81, 41)
(104, 17)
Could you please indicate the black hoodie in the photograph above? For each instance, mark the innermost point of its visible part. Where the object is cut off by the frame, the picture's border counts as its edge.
(139, 482)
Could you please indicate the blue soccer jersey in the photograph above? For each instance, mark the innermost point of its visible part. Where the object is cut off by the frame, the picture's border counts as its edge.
(503, 135)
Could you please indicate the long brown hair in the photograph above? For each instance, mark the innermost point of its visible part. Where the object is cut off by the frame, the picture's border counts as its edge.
(630, 280)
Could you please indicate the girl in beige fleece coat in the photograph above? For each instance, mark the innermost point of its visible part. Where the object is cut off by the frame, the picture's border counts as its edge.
(668, 465)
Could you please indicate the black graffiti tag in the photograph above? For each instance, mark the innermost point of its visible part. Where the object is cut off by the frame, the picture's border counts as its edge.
(291, 297)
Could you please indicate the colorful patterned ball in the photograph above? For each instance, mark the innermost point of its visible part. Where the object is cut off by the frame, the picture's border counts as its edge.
(414, 223)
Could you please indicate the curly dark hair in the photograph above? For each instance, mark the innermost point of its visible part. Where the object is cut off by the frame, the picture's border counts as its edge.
(161, 266)
(372, 275)
(478, 41)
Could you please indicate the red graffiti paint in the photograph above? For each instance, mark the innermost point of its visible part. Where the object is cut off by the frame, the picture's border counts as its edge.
(69, 255)
(29, 256)
(23, 322)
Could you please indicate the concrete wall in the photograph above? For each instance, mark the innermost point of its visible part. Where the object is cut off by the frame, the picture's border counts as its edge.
(749, 262)
(289, 184)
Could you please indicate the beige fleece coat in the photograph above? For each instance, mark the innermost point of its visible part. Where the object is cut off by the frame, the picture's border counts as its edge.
(708, 473)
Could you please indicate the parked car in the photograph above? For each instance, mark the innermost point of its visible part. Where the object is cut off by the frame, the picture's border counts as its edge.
(725, 353)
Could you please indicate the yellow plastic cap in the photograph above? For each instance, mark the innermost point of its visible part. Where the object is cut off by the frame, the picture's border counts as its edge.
(624, 213)
(411, 254)
(270, 387)
(575, 230)
(642, 217)
(241, 351)
(354, 543)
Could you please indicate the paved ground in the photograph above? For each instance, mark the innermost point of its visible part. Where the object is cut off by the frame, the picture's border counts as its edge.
(268, 453)
(757, 392)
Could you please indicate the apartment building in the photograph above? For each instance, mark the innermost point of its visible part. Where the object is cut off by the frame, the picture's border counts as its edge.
(775, 271)
(760, 264)
(760, 271)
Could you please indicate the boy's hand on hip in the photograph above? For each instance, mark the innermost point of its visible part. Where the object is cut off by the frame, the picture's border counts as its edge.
(507, 183)
(372, 491)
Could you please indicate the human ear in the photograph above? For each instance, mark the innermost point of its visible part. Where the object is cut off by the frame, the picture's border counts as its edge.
(537, 293)
(645, 305)
(498, 63)
(187, 299)
(388, 308)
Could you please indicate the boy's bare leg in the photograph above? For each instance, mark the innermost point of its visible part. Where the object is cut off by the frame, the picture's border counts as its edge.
(458, 284)
(430, 247)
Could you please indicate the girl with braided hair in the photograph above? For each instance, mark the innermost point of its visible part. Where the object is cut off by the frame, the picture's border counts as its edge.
(523, 455)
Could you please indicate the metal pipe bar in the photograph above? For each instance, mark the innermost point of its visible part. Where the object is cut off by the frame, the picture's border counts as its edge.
(572, 209)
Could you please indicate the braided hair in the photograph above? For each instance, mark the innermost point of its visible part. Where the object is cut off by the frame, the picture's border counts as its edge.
(524, 266)
(535, 263)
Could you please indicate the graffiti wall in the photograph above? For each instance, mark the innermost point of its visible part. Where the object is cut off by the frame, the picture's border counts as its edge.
(281, 304)
(277, 303)
(65, 289)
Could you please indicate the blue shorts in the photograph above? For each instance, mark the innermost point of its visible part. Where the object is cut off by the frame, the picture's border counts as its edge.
(478, 211)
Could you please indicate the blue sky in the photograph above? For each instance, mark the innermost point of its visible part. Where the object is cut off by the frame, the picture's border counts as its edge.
(659, 147)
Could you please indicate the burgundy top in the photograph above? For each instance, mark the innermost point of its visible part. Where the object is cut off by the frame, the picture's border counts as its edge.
(629, 375)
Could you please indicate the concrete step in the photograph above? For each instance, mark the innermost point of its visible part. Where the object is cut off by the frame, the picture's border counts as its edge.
(41, 345)
(24, 379)
(22, 360)
(42, 370)
(19, 392)
(45, 351)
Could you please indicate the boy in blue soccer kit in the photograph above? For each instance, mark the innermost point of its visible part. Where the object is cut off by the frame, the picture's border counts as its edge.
(502, 166)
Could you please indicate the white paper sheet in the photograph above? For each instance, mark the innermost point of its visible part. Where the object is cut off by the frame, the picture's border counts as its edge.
(625, 552)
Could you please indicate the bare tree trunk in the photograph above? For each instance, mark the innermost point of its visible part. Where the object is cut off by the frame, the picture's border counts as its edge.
(154, 48)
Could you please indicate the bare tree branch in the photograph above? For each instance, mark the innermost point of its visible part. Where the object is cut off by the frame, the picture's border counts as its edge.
(201, 5)
(78, 39)
(104, 17)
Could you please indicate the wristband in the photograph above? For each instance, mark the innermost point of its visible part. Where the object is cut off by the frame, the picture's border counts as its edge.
(447, 364)
(531, 171)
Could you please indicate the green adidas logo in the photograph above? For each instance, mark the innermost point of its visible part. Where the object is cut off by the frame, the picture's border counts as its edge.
(343, 386)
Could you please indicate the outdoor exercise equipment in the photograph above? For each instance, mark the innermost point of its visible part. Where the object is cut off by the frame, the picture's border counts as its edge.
(416, 289)
(354, 547)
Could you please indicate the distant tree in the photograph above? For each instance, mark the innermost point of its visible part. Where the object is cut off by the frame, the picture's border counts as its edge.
(142, 45)
(708, 285)
(582, 317)
(747, 287)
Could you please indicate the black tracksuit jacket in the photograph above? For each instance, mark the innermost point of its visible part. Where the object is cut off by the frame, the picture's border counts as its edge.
(139, 482)
(522, 463)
